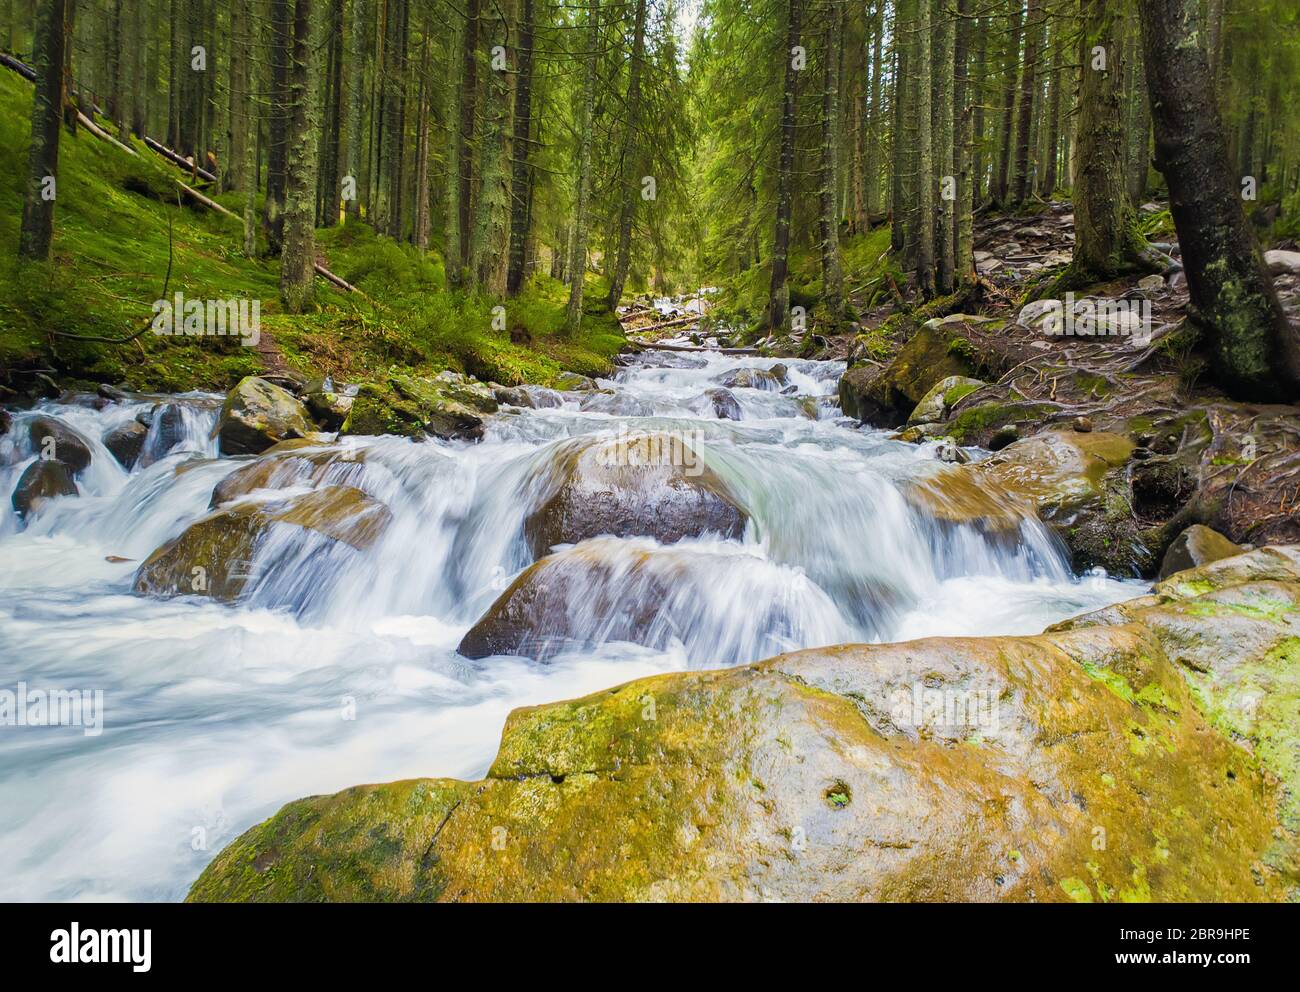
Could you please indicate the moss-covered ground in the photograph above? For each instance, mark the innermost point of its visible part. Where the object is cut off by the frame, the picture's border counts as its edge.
(118, 223)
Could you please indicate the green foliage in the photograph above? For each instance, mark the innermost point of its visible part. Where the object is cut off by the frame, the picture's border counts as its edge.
(111, 254)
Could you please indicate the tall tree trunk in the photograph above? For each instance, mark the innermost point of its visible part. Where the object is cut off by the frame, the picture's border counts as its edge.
(945, 236)
(388, 203)
(355, 77)
(1256, 351)
(278, 124)
(468, 109)
(899, 146)
(1028, 85)
(779, 293)
(488, 236)
(1001, 188)
(243, 109)
(832, 273)
(1106, 239)
(1050, 174)
(297, 265)
(628, 174)
(925, 154)
(963, 96)
(37, 231)
(979, 169)
(578, 256)
(329, 189)
(521, 148)
(453, 232)
(874, 129)
(420, 235)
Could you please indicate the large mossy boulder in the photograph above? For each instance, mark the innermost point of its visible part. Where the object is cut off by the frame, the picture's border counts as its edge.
(42, 480)
(258, 414)
(1091, 763)
(214, 556)
(936, 403)
(887, 395)
(53, 440)
(646, 485)
(415, 406)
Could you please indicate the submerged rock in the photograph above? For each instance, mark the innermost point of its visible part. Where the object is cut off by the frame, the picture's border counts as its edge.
(54, 440)
(1197, 545)
(616, 403)
(41, 481)
(956, 769)
(556, 602)
(256, 415)
(166, 430)
(292, 463)
(647, 485)
(125, 442)
(1073, 481)
(723, 403)
(528, 397)
(771, 380)
(214, 556)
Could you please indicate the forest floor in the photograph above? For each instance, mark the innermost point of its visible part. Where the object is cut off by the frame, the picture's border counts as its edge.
(118, 229)
(1198, 456)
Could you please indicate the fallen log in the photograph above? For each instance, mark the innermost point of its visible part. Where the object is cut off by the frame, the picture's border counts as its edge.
(178, 159)
(652, 346)
(693, 318)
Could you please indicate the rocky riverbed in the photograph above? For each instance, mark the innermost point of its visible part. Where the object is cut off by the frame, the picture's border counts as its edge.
(305, 585)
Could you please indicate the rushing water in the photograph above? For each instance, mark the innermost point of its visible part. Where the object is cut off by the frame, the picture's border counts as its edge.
(339, 667)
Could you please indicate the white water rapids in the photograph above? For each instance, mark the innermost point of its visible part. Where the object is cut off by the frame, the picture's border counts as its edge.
(215, 715)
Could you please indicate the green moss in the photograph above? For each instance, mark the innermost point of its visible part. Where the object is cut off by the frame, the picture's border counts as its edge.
(111, 252)
(1076, 889)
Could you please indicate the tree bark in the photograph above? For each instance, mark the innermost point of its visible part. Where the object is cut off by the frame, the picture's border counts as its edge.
(278, 124)
(925, 155)
(963, 96)
(1010, 65)
(1255, 349)
(630, 180)
(37, 231)
(356, 82)
(578, 256)
(832, 273)
(779, 292)
(521, 148)
(298, 262)
(945, 236)
(1106, 239)
(1028, 83)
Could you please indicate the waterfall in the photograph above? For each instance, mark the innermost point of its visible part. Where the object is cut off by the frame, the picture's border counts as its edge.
(338, 664)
